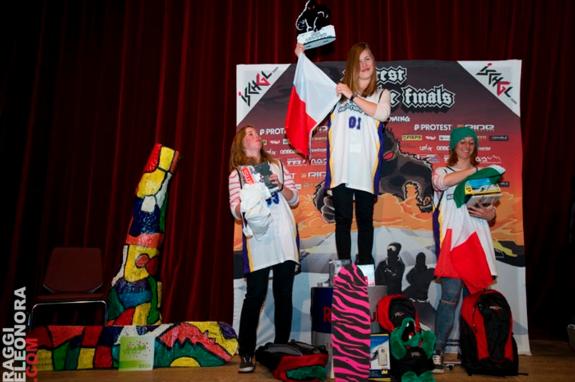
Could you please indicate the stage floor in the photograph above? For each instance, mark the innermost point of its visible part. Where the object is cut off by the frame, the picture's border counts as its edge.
(551, 361)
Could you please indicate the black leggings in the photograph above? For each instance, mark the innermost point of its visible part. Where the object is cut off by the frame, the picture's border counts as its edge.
(343, 204)
(257, 288)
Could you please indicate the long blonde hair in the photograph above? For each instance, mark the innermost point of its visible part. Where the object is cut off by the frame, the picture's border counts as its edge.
(351, 75)
(237, 155)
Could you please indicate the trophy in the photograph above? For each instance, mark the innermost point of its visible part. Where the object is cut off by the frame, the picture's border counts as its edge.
(313, 26)
(481, 192)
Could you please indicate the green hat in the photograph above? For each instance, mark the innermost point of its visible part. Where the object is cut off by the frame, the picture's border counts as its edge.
(459, 133)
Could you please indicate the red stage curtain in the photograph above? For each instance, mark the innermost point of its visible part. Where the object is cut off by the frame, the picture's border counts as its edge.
(87, 88)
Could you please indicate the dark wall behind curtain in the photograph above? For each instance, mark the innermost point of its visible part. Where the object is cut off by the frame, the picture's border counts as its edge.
(88, 87)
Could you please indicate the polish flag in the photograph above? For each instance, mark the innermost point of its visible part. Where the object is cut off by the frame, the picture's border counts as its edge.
(312, 98)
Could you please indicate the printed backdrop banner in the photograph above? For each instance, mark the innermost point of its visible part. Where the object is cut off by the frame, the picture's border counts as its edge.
(429, 99)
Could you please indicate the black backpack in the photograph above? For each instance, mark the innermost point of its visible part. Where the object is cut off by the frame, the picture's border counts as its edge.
(486, 335)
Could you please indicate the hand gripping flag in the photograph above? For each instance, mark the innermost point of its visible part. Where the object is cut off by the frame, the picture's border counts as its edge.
(312, 97)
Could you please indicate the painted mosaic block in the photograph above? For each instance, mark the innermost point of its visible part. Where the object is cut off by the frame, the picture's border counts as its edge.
(188, 344)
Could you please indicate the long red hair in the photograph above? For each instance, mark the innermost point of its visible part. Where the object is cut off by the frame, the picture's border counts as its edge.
(351, 75)
(452, 160)
(237, 155)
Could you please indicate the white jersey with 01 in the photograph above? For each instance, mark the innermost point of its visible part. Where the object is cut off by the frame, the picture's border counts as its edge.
(355, 147)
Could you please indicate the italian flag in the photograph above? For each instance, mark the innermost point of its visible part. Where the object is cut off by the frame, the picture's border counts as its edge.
(462, 256)
(466, 245)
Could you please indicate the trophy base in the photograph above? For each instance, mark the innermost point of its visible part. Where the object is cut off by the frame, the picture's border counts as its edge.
(314, 39)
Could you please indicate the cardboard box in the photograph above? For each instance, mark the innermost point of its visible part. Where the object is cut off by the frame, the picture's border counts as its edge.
(380, 358)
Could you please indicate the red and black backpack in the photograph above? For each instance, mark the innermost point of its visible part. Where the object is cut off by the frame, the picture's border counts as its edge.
(486, 335)
(294, 361)
(392, 309)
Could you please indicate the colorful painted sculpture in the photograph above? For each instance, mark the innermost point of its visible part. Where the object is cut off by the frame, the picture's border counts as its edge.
(135, 296)
(98, 347)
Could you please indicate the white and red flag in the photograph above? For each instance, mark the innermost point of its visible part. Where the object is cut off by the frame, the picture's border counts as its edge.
(312, 97)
